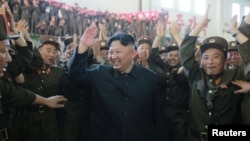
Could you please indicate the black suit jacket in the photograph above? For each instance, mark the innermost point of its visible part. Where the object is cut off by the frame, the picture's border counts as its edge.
(125, 107)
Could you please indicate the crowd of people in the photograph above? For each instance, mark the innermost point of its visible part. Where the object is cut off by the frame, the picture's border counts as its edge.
(59, 19)
(111, 86)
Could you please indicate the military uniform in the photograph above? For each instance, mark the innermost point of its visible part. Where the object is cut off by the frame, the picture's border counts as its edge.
(38, 122)
(209, 103)
(151, 64)
(76, 111)
(10, 95)
(174, 93)
(244, 51)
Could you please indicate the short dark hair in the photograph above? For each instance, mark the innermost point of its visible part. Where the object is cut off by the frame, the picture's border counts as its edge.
(124, 38)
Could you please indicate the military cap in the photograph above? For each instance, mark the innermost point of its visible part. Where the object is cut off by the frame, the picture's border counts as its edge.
(163, 49)
(172, 46)
(67, 41)
(232, 46)
(104, 45)
(45, 39)
(145, 39)
(214, 42)
(5, 37)
(197, 45)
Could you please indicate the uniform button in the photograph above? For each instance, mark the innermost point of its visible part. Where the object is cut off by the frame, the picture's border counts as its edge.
(40, 88)
(168, 73)
(210, 80)
(206, 126)
(167, 97)
(167, 89)
(209, 113)
(167, 81)
(43, 71)
(210, 91)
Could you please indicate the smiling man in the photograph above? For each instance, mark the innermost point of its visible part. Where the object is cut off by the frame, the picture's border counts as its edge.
(212, 100)
(123, 99)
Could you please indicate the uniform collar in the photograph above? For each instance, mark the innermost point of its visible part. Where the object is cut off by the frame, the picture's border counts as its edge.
(44, 71)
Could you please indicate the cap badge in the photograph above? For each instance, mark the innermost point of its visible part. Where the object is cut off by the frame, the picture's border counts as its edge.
(51, 39)
(233, 44)
(211, 40)
(103, 43)
(197, 46)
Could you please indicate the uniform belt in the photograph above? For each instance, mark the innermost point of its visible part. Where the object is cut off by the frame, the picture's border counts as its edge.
(3, 134)
(39, 108)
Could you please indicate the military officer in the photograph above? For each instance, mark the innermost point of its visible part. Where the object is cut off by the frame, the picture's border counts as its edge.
(40, 122)
(173, 85)
(212, 100)
(11, 95)
(241, 34)
(233, 56)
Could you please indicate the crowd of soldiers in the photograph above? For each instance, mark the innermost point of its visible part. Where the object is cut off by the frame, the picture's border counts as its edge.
(116, 88)
(59, 19)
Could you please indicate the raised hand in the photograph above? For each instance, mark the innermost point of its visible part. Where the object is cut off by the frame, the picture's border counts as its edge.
(174, 31)
(205, 20)
(232, 28)
(88, 38)
(10, 18)
(161, 29)
(103, 32)
(22, 27)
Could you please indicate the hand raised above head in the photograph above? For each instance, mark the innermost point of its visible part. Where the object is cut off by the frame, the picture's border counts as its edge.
(88, 37)
(232, 28)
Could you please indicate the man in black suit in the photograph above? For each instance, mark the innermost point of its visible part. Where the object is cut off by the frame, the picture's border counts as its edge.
(124, 105)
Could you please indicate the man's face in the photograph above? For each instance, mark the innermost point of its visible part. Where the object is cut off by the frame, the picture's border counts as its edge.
(5, 57)
(173, 58)
(234, 58)
(69, 50)
(121, 56)
(164, 56)
(104, 53)
(49, 54)
(213, 61)
(143, 51)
